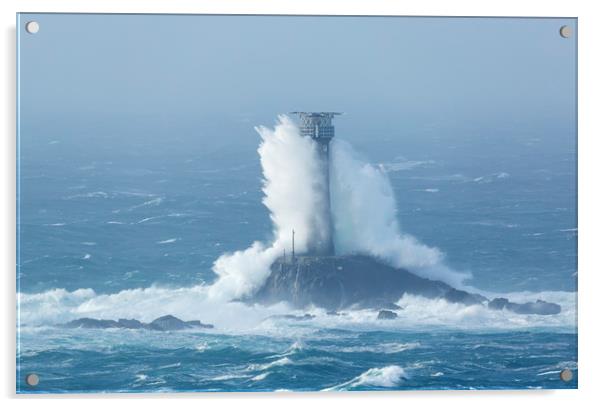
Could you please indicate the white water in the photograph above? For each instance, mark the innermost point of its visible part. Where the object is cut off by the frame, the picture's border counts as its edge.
(60, 306)
(365, 222)
(363, 206)
(388, 376)
(365, 219)
(291, 169)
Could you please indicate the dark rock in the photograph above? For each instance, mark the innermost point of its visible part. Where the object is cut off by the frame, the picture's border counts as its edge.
(198, 324)
(463, 297)
(171, 323)
(386, 314)
(339, 282)
(130, 324)
(92, 323)
(538, 307)
(164, 323)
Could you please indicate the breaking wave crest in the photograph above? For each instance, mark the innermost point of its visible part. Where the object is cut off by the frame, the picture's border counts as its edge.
(364, 213)
(365, 221)
(291, 169)
(388, 376)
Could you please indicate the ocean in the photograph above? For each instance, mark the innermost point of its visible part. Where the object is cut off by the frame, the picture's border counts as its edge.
(134, 233)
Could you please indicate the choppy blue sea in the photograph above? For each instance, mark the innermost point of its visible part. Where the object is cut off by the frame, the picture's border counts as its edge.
(134, 234)
(328, 359)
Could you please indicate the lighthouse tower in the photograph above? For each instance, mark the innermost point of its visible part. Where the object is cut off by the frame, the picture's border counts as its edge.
(318, 126)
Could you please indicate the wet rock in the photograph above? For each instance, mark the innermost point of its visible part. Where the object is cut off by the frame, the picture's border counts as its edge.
(130, 323)
(340, 282)
(171, 323)
(538, 307)
(199, 324)
(92, 323)
(164, 323)
(463, 297)
(386, 314)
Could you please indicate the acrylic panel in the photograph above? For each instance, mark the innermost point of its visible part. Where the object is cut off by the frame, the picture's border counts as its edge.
(300, 203)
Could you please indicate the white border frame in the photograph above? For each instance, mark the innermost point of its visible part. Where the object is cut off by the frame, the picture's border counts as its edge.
(589, 166)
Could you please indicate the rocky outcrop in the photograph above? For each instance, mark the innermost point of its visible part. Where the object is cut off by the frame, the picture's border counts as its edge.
(339, 282)
(386, 314)
(171, 323)
(538, 307)
(164, 323)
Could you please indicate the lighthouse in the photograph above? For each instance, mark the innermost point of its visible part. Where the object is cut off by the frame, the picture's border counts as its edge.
(318, 126)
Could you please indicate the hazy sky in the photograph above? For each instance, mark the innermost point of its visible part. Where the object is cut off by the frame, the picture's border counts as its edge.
(179, 73)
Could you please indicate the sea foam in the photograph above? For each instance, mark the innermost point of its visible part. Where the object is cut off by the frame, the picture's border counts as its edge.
(388, 376)
(365, 221)
(364, 212)
(189, 303)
